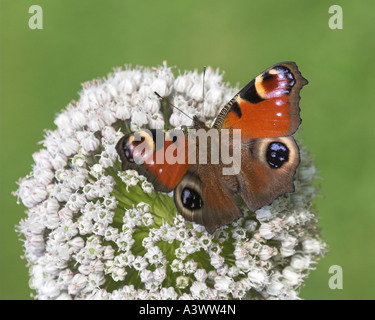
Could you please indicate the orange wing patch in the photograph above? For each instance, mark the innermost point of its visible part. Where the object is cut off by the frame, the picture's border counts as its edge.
(269, 118)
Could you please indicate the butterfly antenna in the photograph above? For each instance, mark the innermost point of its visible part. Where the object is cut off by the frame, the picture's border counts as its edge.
(173, 106)
(204, 74)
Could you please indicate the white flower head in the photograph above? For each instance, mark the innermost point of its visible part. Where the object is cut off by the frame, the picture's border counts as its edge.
(93, 231)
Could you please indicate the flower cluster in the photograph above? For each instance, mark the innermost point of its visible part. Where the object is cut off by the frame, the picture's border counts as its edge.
(93, 231)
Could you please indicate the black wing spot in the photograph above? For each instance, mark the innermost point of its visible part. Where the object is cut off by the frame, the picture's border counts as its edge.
(191, 199)
(250, 93)
(267, 76)
(236, 109)
(277, 154)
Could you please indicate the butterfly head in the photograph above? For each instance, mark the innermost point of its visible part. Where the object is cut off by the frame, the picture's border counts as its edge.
(199, 124)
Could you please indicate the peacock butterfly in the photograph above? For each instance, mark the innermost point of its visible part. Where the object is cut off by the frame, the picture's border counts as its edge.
(266, 112)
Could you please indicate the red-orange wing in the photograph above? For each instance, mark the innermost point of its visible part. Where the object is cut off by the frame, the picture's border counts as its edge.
(157, 165)
(267, 106)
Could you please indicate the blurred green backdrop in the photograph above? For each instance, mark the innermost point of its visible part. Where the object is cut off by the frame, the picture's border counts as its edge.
(41, 71)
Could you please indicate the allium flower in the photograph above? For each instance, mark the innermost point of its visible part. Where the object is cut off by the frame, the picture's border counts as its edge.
(95, 232)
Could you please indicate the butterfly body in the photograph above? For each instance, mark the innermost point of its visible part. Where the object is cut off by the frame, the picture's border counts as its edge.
(266, 113)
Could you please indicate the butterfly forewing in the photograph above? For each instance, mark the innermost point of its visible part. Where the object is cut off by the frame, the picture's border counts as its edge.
(267, 106)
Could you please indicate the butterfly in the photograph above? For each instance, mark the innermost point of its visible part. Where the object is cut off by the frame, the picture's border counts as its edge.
(267, 113)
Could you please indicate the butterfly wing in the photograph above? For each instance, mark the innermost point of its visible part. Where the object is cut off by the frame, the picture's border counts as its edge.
(156, 154)
(267, 170)
(267, 106)
(202, 197)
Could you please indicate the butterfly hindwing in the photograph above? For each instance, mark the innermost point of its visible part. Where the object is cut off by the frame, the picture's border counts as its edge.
(267, 170)
(202, 197)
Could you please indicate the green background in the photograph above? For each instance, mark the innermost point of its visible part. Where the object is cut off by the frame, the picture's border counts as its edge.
(41, 71)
